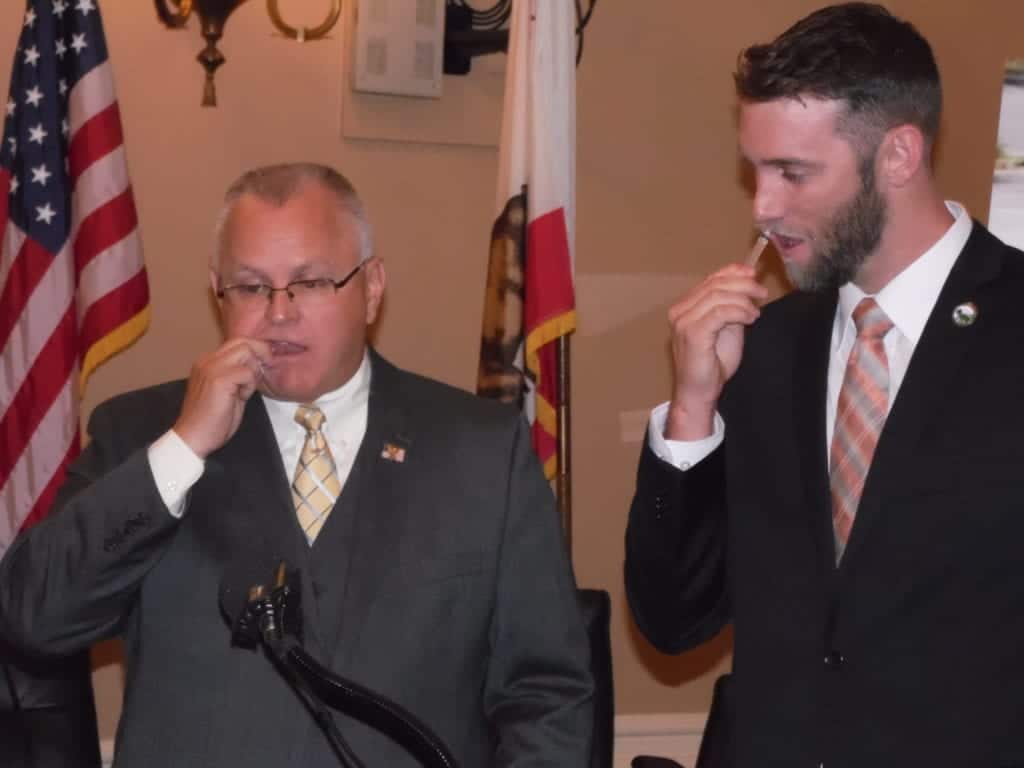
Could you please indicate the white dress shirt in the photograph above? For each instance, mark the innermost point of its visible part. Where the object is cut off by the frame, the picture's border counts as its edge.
(907, 299)
(176, 468)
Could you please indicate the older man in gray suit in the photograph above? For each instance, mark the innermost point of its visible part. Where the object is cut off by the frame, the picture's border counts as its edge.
(433, 567)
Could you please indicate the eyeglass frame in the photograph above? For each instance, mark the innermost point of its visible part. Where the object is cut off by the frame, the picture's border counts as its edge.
(271, 290)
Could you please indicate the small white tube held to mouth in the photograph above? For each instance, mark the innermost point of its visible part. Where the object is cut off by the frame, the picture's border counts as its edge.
(266, 381)
(759, 246)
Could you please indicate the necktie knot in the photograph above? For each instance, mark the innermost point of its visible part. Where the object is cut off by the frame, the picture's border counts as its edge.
(310, 417)
(870, 320)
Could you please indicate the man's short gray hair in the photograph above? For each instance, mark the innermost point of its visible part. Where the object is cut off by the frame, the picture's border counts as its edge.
(277, 184)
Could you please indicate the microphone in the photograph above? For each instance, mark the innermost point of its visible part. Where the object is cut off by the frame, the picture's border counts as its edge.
(254, 610)
(269, 613)
(242, 573)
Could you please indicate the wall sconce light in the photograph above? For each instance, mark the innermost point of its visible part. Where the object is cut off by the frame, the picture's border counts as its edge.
(213, 15)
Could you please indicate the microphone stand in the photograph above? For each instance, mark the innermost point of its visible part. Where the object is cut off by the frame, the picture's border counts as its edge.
(273, 618)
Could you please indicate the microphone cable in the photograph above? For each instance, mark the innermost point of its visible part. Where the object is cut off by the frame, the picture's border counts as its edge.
(279, 650)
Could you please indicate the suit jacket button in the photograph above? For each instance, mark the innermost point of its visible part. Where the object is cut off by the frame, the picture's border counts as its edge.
(834, 659)
(659, 507)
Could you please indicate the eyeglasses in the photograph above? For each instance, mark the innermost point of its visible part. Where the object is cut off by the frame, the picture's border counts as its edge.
(310, 291)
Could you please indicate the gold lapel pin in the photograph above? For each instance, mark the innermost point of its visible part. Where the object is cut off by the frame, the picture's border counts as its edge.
(965, 314)
(392, 452)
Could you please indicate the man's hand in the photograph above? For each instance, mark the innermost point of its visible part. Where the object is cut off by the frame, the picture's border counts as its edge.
(707, 346)
(218, 387)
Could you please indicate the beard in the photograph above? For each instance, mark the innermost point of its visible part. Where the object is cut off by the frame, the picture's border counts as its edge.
(850, 236)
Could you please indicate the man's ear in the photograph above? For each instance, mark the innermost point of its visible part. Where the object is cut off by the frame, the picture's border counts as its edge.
(376, 279)
(902, 155)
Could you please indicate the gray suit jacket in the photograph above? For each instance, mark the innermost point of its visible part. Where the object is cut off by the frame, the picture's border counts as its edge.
(440, 581)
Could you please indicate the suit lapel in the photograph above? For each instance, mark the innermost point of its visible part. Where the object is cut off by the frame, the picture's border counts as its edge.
(251, 463)
(810, 386)
(258, 516)
(932, 370)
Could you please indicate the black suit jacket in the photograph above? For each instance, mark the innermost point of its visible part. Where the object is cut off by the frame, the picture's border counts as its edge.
(440, 581)
(909, 653)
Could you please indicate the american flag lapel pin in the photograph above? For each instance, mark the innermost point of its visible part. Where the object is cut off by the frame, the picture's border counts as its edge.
(393, 452)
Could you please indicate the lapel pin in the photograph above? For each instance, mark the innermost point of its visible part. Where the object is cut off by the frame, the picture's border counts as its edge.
(965, 314)
(392, 452)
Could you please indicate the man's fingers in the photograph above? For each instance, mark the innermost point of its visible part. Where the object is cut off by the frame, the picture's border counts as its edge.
(726, 308)
(244, 374)
(245, 390)
(258, 348)
(234, 354)
(737, 281)
(239, 348)
(717, 309)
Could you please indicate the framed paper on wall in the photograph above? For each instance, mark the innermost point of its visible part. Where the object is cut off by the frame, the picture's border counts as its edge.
(1006, 212)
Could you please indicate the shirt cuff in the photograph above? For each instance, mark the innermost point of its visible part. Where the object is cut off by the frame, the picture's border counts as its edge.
(175, 468)
(681, 453)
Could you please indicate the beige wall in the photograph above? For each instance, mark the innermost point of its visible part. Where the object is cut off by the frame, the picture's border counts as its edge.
(659, 201)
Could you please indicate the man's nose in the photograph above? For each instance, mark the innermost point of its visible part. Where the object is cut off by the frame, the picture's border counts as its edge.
(768, 205)
(280, 306)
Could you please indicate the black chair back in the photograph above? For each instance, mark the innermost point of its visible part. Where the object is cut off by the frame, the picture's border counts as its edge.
(47, 713)
(717, 740)
(715, 744)
(649, 761)
(595, 605)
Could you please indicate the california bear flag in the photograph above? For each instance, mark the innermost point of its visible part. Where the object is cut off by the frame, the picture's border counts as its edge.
(530, 299)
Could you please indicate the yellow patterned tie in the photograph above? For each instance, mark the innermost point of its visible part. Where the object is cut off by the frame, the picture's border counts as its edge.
(316, 487)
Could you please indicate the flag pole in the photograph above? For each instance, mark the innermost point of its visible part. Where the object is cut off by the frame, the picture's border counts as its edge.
(563, 481)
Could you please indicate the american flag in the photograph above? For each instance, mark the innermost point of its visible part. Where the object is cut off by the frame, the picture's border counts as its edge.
(73, 288)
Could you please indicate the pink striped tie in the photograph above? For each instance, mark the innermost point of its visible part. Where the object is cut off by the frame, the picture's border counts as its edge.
(863, 401)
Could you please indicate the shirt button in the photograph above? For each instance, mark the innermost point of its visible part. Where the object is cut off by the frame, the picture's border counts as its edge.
(685, 465)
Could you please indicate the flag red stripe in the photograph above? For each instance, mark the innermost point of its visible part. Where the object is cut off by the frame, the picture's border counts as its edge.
(546, 386)
(28, 269)
(110, 311)
(92, 94)
(36, 394)
(41, 506)
(549, 293)
(107, 225)
(549, 290)
(98, 136)
(543, 441)
(104, 179)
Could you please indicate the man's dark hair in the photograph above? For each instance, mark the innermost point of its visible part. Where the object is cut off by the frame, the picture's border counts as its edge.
(878, 65)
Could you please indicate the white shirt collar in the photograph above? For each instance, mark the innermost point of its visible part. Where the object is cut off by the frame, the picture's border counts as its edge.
(908, 299)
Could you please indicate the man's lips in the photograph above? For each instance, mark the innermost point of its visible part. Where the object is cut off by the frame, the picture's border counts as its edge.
(786, 242)
(285, 348)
